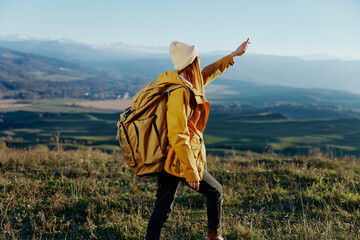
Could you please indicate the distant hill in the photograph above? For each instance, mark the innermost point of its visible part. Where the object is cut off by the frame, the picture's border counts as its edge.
(72, 51)
(280, 111)
(294, 72)
(29, 76)
(68, 51)
(232, 92)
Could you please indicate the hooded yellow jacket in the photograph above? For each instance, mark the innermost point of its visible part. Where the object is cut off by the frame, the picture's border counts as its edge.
(187, 156)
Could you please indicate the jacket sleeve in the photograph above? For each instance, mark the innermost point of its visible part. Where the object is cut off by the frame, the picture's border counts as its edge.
(216, 69)
(178, 133)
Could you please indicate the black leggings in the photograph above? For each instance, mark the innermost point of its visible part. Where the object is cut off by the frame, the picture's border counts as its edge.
(167, 187)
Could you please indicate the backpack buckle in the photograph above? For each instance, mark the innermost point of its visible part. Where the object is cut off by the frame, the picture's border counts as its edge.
(127, 112)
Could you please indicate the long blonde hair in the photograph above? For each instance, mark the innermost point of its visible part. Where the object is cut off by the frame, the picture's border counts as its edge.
(193, 74)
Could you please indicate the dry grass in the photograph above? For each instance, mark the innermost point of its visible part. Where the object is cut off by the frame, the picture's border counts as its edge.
(13, 104)
(93, 195)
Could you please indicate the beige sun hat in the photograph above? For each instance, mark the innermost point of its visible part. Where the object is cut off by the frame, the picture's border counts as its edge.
(182, 54)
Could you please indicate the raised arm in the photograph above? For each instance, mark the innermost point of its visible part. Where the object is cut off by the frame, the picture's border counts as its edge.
(215, 69)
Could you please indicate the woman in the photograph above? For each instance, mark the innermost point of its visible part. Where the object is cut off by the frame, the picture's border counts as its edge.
(187, 114)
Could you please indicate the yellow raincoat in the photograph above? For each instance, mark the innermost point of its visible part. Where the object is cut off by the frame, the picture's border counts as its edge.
(187, 156)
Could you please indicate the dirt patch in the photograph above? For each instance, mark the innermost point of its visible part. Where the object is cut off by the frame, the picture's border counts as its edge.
(13, 103)
(116, 105)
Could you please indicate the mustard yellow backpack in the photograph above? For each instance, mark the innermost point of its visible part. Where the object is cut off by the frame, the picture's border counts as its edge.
(142, 130)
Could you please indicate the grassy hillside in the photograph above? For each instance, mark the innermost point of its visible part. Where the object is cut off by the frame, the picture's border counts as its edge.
(93, 195)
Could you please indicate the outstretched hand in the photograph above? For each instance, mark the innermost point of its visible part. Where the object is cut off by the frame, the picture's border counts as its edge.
(241, 49)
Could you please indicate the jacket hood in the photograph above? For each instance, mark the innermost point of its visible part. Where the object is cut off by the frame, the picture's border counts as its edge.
(169, 77)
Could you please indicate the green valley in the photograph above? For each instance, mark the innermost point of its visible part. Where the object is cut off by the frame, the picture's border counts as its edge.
(257, 132)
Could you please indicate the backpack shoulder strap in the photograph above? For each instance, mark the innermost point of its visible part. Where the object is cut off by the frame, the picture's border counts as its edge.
(173, 87)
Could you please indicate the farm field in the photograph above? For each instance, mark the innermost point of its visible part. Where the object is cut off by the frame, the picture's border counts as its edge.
(269, 131)
(7, 104)
(87, 194)
(111, 105)
(257, 132)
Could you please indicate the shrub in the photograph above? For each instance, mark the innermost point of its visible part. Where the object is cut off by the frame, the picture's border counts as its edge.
(41, 148)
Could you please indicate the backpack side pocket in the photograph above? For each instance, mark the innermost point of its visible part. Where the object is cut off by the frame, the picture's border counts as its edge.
(149, 145)
(125, 145)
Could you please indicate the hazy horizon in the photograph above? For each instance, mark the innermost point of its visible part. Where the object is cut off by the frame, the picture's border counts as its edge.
(164, 49)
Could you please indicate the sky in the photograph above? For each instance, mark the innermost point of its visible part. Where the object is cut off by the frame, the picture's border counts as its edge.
(278, 27)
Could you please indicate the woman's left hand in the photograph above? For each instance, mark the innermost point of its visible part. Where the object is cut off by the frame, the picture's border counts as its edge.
(241, 49)
(195, 185)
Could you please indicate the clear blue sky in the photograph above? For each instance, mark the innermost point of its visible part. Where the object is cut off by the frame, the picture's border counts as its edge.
(280, 27)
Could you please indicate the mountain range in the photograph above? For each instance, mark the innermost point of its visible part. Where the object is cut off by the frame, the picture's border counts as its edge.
(63, 68)
(143, 61)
